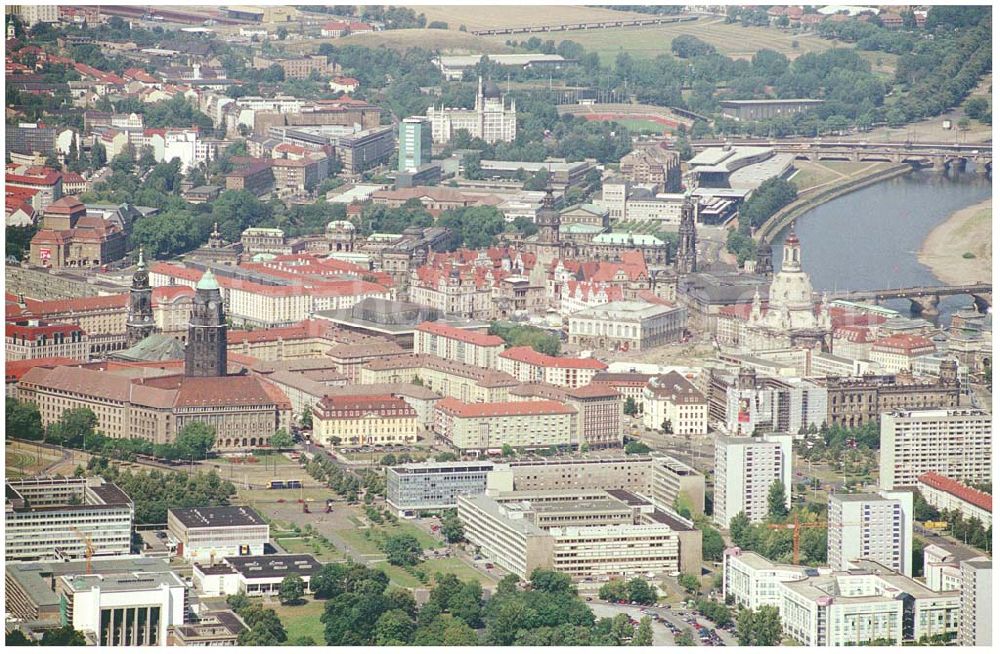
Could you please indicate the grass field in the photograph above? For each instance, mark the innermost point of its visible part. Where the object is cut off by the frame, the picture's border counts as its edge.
(643, 126)
(445, 41)
(730, 39)
(458, 567)
(487, 16)
(812, 174)
(302, 620)
(305, 545)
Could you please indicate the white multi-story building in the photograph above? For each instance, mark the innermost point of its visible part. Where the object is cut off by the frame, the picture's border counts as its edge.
(527, 365)
(949, 495)
(488, 426)
(786, 404)
(871, 527)
(490, 120)
(673, 401)
(626, 202)
(942, 565)
(754, 581)
(124, 609)
(34, 14)
(456, 344)
(867, 605)
(584, 534)
(898, 352)
(414, 143)
(745, 469)
(673, 483)
(627, 325)
(955, 443)
(976, 620)
(213, 533)
(432, 486)
(189, 147)
(47, 518)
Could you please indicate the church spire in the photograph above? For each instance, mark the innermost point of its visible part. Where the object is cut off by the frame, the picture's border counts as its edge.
(687, 245)
(140, 322)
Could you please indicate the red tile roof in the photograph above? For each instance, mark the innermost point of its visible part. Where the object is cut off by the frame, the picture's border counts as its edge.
(464, 335)
(461, 409)
(41, 308)
(31, 332)
(16, 369)
(908, 342)
(525, 354)
(366, 403)
(959, 490)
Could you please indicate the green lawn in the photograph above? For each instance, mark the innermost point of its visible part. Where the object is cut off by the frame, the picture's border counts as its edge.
(355, 538)
(302, 620)
(732, 40)
(639, 125)
(398, 576)
(310, 546)
(458, 567)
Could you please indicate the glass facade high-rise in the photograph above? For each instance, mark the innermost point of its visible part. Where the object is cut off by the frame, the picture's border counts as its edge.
(414, 143)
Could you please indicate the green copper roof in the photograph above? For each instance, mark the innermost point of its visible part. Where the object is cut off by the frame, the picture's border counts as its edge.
(207, 282)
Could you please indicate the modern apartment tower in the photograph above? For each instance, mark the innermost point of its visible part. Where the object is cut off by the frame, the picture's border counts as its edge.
(414, 143)
(745, 468)
(956, 443)
(872, 527)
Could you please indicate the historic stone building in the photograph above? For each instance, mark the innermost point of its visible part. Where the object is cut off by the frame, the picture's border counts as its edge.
(792, 318)
(853, 401)
(491, 119)
(140, 322)
(206, 343)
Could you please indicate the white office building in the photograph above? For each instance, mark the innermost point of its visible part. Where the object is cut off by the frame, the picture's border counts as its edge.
(871, 527)
(48, 518)
(956, 443)
(867, 605)
(754, 581)
(431, 486)
(976, 621)
(745, 468)
(124, 609)
(209, 534)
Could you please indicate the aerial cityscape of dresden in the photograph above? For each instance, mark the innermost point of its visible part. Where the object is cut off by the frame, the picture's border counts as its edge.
(482, 325)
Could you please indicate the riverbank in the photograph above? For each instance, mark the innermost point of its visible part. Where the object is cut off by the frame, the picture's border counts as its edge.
(820, 195)
(960, 250)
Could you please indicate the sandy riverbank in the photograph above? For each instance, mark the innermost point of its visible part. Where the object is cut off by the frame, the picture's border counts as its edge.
(968, 230)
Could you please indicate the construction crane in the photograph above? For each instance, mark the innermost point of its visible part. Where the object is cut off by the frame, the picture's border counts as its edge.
(797, 527)
(88, 550)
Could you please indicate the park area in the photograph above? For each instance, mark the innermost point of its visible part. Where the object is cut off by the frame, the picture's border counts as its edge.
(730, 39)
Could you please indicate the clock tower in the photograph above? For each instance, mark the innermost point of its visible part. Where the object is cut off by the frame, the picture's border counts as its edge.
(205, 355)
(140, 322)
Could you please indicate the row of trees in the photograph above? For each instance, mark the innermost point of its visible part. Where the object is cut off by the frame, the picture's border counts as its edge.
(636, 590)
(77, 428)
(153, 492)
(766, 200)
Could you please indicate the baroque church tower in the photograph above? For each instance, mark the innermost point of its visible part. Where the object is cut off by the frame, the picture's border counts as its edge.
(205, 355)
(687, 250)
(548, 222)
(140, 322)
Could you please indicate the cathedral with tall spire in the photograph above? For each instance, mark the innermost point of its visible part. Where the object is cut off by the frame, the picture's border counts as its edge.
(140, 322)
(205, 354)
